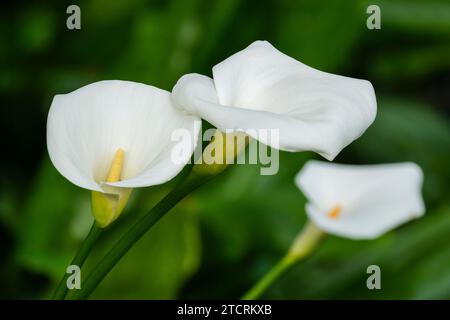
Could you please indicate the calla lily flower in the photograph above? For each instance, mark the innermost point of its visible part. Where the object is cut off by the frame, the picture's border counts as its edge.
(112, 136)
(361, 201)
(262, 88)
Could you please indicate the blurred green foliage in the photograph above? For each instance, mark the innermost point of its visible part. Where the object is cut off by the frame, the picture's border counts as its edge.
(221, 239)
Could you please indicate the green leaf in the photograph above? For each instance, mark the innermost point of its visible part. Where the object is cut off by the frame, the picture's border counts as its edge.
(314, 32)
(45, 243)
(416, 16)
(410, 65)
(56, 218)
(159, 264)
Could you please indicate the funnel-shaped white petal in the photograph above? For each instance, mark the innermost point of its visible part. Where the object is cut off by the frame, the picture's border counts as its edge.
(86, 127)
(372, 199)
(262, 88)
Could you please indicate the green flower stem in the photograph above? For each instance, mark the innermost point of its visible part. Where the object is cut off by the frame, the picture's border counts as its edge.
(79, 259)
(284, 264)
(304, 244)
(194, 180)
(226, 147)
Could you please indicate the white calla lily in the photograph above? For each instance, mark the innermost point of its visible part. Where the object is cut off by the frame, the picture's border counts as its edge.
(262, 88)
(361, 201)
(111, 136)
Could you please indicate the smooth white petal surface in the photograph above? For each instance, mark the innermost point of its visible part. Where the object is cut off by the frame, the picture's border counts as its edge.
(374, 198)
(87, 126)
(262, 88)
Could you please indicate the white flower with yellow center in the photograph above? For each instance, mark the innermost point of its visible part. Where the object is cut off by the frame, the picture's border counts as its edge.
(361, 201)
(260, 88)
(112, 136)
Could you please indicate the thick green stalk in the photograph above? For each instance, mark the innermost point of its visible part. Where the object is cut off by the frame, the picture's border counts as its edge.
(78, 260)
(193, 181)
(223, 147)
(304, 244)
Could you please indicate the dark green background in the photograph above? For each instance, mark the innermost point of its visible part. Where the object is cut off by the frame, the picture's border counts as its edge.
(224, 237)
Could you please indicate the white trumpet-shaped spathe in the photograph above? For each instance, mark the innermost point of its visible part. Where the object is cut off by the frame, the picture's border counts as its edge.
(125, 122)
(361, 201)
(262, 88)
